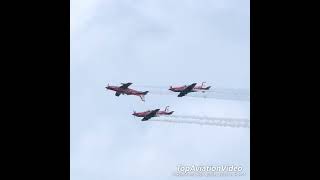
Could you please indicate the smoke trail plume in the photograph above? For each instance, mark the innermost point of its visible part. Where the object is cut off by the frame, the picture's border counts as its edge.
(204, 122)
(227, 95)
(211, 118)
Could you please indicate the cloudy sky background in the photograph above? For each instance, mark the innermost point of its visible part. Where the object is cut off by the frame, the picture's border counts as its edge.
(156, 42)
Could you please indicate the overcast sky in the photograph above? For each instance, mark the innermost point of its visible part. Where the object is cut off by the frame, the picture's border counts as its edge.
(156, 42)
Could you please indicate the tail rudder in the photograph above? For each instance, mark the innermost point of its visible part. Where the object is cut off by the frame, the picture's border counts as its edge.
(145, 93)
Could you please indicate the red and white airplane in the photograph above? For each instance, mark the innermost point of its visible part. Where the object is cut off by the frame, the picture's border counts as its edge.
(123, 89)
(152, 113)
(187, 89)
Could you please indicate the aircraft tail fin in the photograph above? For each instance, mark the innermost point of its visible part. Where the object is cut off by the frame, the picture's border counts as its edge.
(146, 92)
(170, 112)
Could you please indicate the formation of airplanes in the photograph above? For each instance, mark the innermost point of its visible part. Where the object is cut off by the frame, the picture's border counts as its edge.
(183, 90)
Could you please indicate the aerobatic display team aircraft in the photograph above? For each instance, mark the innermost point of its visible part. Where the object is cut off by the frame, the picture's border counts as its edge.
(123, 89)
(187, 89)
(152, 113)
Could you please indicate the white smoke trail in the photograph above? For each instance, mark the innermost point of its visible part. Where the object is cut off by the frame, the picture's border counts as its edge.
(202, 122)
(231, 95)
(211, 118)
(237, 97)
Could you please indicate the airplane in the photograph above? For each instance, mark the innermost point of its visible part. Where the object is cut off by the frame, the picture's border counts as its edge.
(146, 115)
(123, 89)
(152, 113)
(187, 89)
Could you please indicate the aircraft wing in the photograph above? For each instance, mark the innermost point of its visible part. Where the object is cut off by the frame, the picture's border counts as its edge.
(150, 115)
(182, 94)
(125, 85)
(187, 90)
